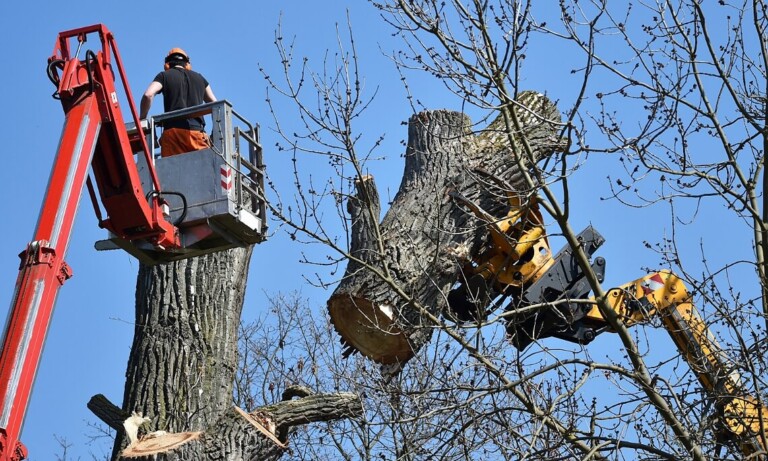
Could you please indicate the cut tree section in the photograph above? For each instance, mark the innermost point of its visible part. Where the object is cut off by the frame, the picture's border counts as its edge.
(400, 270)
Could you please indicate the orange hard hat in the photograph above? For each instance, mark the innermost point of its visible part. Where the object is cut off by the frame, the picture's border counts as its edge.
(177, 54)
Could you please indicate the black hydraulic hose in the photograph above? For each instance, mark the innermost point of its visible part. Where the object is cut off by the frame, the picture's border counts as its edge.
(178, 194)
(183, 205)
(90, 56)
(53, 76)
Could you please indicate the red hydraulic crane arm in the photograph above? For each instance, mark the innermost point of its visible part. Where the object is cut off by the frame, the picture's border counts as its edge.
(42, 272)
(132, 215)
(62, 52)
(94, 136)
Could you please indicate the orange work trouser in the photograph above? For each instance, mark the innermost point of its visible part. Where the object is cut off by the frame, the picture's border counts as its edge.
(180, 140)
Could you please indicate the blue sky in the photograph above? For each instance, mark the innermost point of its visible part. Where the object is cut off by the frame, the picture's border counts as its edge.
(91, 332)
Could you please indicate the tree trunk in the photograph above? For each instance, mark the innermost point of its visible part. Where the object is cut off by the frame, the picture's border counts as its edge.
(401, 271)
(182, 365)
(184, 355)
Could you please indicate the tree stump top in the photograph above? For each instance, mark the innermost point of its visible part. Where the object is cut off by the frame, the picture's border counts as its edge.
(371, 328)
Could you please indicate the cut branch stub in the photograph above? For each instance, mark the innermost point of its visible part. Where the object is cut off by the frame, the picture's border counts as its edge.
(261, 434)
(400, 271)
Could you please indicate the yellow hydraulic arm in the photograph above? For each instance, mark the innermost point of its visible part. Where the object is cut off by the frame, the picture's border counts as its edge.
(518, 264)
(663, 295)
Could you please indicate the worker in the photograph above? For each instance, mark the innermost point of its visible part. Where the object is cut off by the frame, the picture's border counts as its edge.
(181, 87)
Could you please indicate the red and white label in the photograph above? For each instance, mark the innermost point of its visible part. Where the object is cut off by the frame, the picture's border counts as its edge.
(226, 179)
(652, 283)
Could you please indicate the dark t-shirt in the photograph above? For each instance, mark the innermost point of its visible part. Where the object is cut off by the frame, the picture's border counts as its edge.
(181, 89)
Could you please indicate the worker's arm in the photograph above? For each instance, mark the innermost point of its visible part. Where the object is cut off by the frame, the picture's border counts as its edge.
(147, 97)
(209, 97)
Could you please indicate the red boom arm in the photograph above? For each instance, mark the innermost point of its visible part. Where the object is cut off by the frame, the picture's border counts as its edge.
(94, 136)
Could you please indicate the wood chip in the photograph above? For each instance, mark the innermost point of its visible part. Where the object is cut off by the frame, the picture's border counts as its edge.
(261, 426)
(154, 444)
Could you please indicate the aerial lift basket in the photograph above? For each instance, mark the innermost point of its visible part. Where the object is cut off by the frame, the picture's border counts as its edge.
(215, 196)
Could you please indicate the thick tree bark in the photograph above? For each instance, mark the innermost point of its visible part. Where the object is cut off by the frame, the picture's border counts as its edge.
(182, 367)
(183, 360)
(402, 270)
